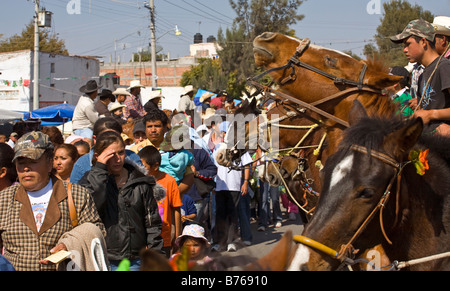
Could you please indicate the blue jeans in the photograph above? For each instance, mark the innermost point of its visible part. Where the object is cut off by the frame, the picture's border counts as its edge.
(244, 214)
(226, 217)
(269, 193)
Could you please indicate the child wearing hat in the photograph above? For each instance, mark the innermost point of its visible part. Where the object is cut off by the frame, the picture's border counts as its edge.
(193, 238)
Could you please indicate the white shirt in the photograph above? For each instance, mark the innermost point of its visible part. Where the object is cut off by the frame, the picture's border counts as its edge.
(227, 180)
(85, 114)
(39, 203)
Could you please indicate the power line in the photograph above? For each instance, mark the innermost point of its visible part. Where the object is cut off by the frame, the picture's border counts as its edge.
(207, 13)
(220, 13)
(198, 14)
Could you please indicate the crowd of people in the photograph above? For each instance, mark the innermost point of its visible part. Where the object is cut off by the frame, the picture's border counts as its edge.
(143, 194)
(158, 189)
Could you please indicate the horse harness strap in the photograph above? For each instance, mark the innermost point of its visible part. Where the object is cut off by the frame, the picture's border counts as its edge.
(293, 62)
(347, 249)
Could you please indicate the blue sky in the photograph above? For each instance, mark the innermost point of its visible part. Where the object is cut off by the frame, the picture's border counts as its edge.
(341, 25)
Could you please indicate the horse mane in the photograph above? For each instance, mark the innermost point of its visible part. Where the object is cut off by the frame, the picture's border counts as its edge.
(370, 132)
(377, 64)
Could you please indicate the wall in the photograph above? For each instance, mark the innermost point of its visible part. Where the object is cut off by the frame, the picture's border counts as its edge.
(14, 67)
(60, 78)
(169, 72)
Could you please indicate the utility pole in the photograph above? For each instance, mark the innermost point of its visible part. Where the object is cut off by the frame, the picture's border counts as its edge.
(36, 57)
(151, 7)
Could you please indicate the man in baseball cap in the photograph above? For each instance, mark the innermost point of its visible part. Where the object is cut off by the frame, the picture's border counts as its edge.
(32, 146)
(431, 104)
(420, 28)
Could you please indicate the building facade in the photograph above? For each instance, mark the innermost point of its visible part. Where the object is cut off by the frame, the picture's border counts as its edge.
(60, 78)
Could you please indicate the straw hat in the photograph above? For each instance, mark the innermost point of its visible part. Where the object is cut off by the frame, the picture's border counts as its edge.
(442, 25)
(188, 89)
(135, 84)
(156, 94)
(208, 113)
(121, 91)
(206, 96)
(116, 106)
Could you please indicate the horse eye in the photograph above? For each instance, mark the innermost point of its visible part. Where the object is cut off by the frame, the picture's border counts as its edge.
(366, 193)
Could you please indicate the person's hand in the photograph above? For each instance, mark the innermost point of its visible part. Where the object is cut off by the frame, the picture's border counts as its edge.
(426, 115)
(60, 247)
(413, 103)
(105, 156)
(244, 188)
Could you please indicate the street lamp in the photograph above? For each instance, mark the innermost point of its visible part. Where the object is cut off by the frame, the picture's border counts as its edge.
(177, 32)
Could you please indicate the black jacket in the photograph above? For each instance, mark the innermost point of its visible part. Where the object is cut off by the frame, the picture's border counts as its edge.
(131, 215)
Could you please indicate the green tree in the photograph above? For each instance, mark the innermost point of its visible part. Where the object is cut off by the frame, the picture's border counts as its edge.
(47, 43)
(254, 17)
(237, 63)
(397, 15)
(206, 75)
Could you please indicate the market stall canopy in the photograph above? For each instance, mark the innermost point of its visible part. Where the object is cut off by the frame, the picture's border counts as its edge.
(8, 115)
(199, 94)
(55, 114)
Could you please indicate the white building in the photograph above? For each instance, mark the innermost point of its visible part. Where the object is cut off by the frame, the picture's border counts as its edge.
(60, 78)
(205, 50)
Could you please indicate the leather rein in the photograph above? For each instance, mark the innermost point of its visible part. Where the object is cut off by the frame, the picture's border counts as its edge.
(347, 250)
(293, 62)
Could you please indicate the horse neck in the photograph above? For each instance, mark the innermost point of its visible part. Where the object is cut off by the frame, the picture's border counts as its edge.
(422, 215)
(376, 105)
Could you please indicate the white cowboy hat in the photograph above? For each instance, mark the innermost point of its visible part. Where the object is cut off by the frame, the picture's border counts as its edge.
(188, 89)
(116, 106)
(206, 96)
(442, 25)
(208, 113)
(135, 84)
(156, 94)
(121, 91)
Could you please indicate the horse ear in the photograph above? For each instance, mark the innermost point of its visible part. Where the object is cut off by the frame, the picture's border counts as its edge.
(357, 113)
(404, 139)
(383, 80)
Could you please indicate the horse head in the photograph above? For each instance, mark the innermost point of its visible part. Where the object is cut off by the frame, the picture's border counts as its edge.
(274, 50)
(236, 142)
(356, 181)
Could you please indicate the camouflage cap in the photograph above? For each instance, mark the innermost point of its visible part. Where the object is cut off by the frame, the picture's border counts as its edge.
(419, 27)
(176, 139)
(32, 145)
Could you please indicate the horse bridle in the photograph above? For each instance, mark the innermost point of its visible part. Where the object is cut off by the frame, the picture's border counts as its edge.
(293, 62)
(347, 251)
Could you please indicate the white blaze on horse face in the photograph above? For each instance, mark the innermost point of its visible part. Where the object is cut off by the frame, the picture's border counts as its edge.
(301, 257)
(341, 171)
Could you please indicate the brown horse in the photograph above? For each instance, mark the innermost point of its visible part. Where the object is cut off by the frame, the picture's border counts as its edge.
(372, 194)
(332, 72)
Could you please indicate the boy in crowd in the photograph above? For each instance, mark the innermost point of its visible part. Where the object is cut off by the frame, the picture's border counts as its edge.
(171, 204)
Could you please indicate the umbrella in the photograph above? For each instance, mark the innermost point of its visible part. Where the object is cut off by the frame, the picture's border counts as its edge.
(7, 115)
(55, 114)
